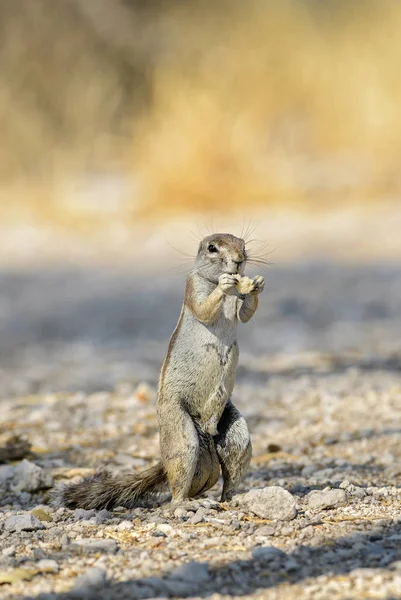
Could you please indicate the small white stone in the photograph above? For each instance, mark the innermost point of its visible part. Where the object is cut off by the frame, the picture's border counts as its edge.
(272, 502)
(48, 566)
(327, 499)
(125, 526)
(97, 545)
(166, 529)
(29, 477)
(25, 522)
(9, 551)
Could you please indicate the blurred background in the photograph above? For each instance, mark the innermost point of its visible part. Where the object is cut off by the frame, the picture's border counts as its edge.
(130, 128)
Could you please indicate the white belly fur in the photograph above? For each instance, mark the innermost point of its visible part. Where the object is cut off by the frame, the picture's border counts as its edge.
(212, 358)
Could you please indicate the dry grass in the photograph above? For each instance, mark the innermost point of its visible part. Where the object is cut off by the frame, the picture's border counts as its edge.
(203, 107)
(284, 101)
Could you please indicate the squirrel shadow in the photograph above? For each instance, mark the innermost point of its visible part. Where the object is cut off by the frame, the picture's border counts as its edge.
(378, 549)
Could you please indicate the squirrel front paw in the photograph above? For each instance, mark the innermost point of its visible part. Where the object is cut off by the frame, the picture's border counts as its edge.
(228, 283)
(253, 286)
(258, 284)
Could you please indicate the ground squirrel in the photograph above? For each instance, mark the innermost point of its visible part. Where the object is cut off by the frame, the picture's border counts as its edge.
(200, 428)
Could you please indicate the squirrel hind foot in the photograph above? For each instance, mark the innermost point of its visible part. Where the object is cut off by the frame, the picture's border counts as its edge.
(210, 426)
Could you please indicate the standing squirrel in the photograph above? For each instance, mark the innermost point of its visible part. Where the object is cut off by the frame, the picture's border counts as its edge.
(200, 429)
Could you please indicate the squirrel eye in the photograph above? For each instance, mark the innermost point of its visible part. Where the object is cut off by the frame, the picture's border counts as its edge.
(212, 248)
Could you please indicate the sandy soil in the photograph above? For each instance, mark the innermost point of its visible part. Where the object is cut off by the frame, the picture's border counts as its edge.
(319, 383)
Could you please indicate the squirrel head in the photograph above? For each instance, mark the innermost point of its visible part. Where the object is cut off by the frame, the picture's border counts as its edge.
(220, 253)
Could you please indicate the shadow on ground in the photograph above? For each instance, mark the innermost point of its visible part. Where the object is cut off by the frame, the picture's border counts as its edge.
(88, 328)
(375, 549)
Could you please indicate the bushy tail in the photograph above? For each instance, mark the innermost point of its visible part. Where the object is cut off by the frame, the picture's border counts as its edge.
(102, 490)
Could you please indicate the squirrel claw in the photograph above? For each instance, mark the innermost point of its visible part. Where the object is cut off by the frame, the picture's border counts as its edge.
(210, 426)
(258, 285)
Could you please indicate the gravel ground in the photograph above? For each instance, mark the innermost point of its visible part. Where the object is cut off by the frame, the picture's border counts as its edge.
(319, 383)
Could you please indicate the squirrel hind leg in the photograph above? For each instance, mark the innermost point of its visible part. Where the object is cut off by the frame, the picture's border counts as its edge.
(179, 445)
(234, 449)
(213, 409)
(180, 473)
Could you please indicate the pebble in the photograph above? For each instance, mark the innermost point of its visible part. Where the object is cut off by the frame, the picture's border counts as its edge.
(197, 518)
(65, 541)
(214, 541)
(92, 578)
(320, 500)
(272, 502)
(287, 530)
(352, 489)
(267, 553)
(125, 526)
(38, 553)
(173, 588)
(48, 565)
(80, 514)
(24, 497)
(103, 515)
(29, 477)
(55, 532)
(195, 572)
(266, 531)
(97, 545)
(6, 474)
(290, 565)
(158, 533)
(42, 514)
(166, 529)
(309, 470)
(9, 551)
(26, 522)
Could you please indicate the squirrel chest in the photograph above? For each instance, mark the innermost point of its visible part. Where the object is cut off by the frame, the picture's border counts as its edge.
(201, 357)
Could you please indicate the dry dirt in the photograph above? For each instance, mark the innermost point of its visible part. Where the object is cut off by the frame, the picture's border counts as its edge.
(319, 383)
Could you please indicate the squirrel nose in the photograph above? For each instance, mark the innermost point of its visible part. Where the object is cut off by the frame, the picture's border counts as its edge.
(238, 262)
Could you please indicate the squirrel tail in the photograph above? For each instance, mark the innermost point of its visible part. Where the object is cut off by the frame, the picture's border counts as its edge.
(102, 490)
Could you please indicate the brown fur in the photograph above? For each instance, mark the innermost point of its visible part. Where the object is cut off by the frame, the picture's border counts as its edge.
(102, 490)
(201, 431)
